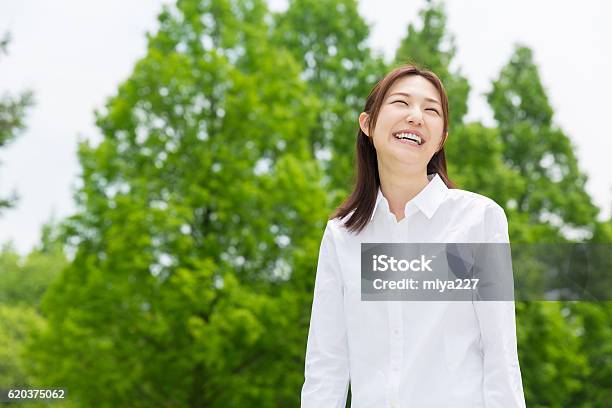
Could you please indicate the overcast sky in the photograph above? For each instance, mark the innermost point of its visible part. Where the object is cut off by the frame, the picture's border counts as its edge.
(73, 54)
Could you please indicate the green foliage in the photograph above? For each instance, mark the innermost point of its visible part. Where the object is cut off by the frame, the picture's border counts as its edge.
(473, 148)
(595, 334)
(23, 282)
(552, 365)
(195, 215)
(537, 148)
(328, 38)
(12, 115)
(15, 324)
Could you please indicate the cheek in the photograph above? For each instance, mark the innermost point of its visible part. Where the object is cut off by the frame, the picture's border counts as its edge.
(393, 113)
(383, 127)
(436, 127)
(435, 121)
(435, 144)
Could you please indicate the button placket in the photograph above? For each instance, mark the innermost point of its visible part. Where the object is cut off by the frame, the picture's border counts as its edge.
(396, 341)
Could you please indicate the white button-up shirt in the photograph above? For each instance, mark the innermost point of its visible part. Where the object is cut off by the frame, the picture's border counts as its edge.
(410, 354)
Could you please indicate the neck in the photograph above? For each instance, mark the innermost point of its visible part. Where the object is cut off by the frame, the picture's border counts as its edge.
(401, 187)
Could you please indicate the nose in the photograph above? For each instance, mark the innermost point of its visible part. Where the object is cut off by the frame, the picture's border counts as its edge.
(415, 116)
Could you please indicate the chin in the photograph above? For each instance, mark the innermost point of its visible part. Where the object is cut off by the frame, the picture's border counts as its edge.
(408, 161)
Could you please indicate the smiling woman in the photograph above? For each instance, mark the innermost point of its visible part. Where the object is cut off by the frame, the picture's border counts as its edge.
(409, 103)
(412, 353)
(411, 114)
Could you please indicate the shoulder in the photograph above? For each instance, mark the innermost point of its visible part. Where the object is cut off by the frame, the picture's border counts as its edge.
(480, 211)
(334, 236)
(486, 215)
(335, 226)
(490, 216)
(337, 230)
(468, 200)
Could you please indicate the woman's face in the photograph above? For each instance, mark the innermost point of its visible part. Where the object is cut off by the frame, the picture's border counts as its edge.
(412, 105)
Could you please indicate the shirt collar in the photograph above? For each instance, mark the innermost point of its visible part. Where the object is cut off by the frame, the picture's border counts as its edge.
(427, 201)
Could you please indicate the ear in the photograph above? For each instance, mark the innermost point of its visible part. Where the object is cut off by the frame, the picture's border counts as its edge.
(364, 119)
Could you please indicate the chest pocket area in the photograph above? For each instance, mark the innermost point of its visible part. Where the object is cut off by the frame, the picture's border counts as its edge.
(461, 234)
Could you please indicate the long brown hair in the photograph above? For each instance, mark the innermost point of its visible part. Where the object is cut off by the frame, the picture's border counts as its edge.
(363, 197)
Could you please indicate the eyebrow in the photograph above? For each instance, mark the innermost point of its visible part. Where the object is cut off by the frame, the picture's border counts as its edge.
(408, 95)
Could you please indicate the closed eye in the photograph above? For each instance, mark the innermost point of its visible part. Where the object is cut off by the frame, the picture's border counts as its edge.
(431, 109)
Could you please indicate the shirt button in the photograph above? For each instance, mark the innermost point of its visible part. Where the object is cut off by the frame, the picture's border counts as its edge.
(396, 332)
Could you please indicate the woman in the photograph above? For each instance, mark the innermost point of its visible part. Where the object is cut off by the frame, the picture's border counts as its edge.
(407, 354)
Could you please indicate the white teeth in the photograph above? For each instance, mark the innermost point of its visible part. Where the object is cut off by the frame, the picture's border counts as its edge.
(409, 136)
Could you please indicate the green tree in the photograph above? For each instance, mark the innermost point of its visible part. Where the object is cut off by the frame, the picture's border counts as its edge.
(595, 336)
(15, 324)
(329, 40)
(596, 331)
(200, 215)
(553, 366)
(12, 115)
(23, 280)
(538, 149)
(559, 342)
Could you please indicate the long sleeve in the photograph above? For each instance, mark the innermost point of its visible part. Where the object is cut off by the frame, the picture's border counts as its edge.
(327, 368)
(502, 376)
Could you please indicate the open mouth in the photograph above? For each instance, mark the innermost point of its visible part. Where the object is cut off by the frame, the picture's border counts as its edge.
(409, 137)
